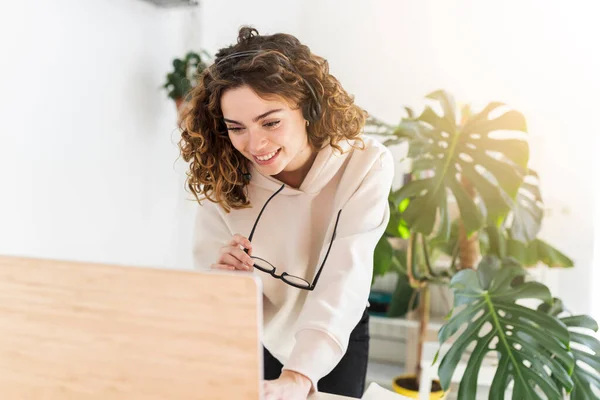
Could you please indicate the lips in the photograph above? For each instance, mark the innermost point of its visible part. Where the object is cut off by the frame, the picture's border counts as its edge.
(267, 158)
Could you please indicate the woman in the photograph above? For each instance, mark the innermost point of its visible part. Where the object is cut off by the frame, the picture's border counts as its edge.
(295, 195)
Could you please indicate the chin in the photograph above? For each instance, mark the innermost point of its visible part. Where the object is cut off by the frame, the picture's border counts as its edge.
(271, 170)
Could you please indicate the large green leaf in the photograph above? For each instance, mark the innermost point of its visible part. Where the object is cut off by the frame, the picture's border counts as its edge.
(585, 348)
(583, 377)
(521, 335)
(537, 251)
(382, 257)
(397, 225)
(401, 298)
(479, 148)
(385, 257)
(527, 210)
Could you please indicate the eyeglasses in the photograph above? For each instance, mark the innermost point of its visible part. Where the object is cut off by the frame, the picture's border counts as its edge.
(270, 269)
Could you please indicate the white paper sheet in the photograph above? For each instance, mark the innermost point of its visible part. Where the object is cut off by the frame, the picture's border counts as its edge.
(376, 392)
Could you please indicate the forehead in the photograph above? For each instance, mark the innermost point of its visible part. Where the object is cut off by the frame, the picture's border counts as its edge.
(244, 104)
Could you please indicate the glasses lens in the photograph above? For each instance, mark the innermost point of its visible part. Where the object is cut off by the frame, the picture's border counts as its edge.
(263, 265)
(295, 280)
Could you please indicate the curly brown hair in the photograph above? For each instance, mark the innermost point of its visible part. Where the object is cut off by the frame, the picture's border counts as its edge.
(276, 66)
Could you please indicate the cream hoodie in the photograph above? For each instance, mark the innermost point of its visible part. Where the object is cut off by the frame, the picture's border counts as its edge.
(308, 331)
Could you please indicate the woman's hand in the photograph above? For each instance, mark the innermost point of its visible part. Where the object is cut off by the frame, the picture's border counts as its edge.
(233, 257)
(289, 386)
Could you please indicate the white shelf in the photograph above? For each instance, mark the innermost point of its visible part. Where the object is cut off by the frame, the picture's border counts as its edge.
(393, 345)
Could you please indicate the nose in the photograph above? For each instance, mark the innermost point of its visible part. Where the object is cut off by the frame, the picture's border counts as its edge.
(256, 141)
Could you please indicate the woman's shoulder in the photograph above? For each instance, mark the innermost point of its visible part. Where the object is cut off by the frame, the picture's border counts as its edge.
(372, 155)
(369, 170)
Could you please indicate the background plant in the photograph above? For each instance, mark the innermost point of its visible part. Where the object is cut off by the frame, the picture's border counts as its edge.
(469, 191)
(183, 76)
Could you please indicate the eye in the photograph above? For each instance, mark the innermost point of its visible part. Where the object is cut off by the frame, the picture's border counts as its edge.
(272, 124)
(234, 129)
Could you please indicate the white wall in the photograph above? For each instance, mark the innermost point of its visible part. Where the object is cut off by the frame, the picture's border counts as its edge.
(538, 57)
(87, 138)
(595, 281)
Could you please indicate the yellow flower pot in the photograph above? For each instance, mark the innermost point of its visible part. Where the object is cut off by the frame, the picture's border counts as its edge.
(437, 395)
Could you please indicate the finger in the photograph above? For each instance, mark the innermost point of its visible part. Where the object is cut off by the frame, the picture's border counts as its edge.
(234, 262)
(270, 396)
(233, 249)
(238, 254)
(239, 240)
(224, 267)
(268, 391)
(242, 256)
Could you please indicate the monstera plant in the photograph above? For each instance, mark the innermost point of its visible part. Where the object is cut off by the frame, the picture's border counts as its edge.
(584, 347)
(470, 191)
(542, 354)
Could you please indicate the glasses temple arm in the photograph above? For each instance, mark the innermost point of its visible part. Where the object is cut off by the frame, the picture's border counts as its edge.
(261, 211)
(328, 249)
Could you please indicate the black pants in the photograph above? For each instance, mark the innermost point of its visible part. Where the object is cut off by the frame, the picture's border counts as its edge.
(348, 377)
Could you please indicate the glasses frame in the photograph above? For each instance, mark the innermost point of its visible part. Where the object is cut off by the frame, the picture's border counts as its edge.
(284, 275)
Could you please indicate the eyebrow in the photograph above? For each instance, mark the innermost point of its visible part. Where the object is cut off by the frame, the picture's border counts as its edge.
(261, 116)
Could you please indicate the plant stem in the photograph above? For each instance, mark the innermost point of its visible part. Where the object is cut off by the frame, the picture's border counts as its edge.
(469, 245)
(411, 301)
(496, 242)
(427, 261)
(454, 258)
(411, 256)
(424, 304)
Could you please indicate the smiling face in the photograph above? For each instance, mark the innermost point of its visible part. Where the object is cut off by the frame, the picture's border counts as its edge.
(267, 132)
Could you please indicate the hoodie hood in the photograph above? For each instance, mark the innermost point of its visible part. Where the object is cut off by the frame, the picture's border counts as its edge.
(326, 165)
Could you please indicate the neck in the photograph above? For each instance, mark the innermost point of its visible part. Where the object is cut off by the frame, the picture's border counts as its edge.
(295, 177)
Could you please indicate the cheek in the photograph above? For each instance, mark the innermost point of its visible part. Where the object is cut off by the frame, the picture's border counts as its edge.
(238, 143)
(292, 138)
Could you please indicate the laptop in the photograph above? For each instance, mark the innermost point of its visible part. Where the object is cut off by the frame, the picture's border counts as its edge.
(76, 330)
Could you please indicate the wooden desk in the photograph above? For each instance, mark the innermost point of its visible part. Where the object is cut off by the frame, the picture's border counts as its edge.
(74, 331)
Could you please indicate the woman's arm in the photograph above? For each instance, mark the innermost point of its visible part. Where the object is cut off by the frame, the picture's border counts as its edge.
(210, 235)
(339, 299)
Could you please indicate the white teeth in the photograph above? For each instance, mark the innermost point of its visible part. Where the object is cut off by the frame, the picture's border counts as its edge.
(268, 156)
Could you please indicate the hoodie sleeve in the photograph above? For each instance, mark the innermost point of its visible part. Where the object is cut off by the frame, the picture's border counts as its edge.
(210, 234)
(338, 301)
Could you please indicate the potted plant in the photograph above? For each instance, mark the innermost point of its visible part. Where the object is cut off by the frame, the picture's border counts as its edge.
(478, 165)
(183, 77)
